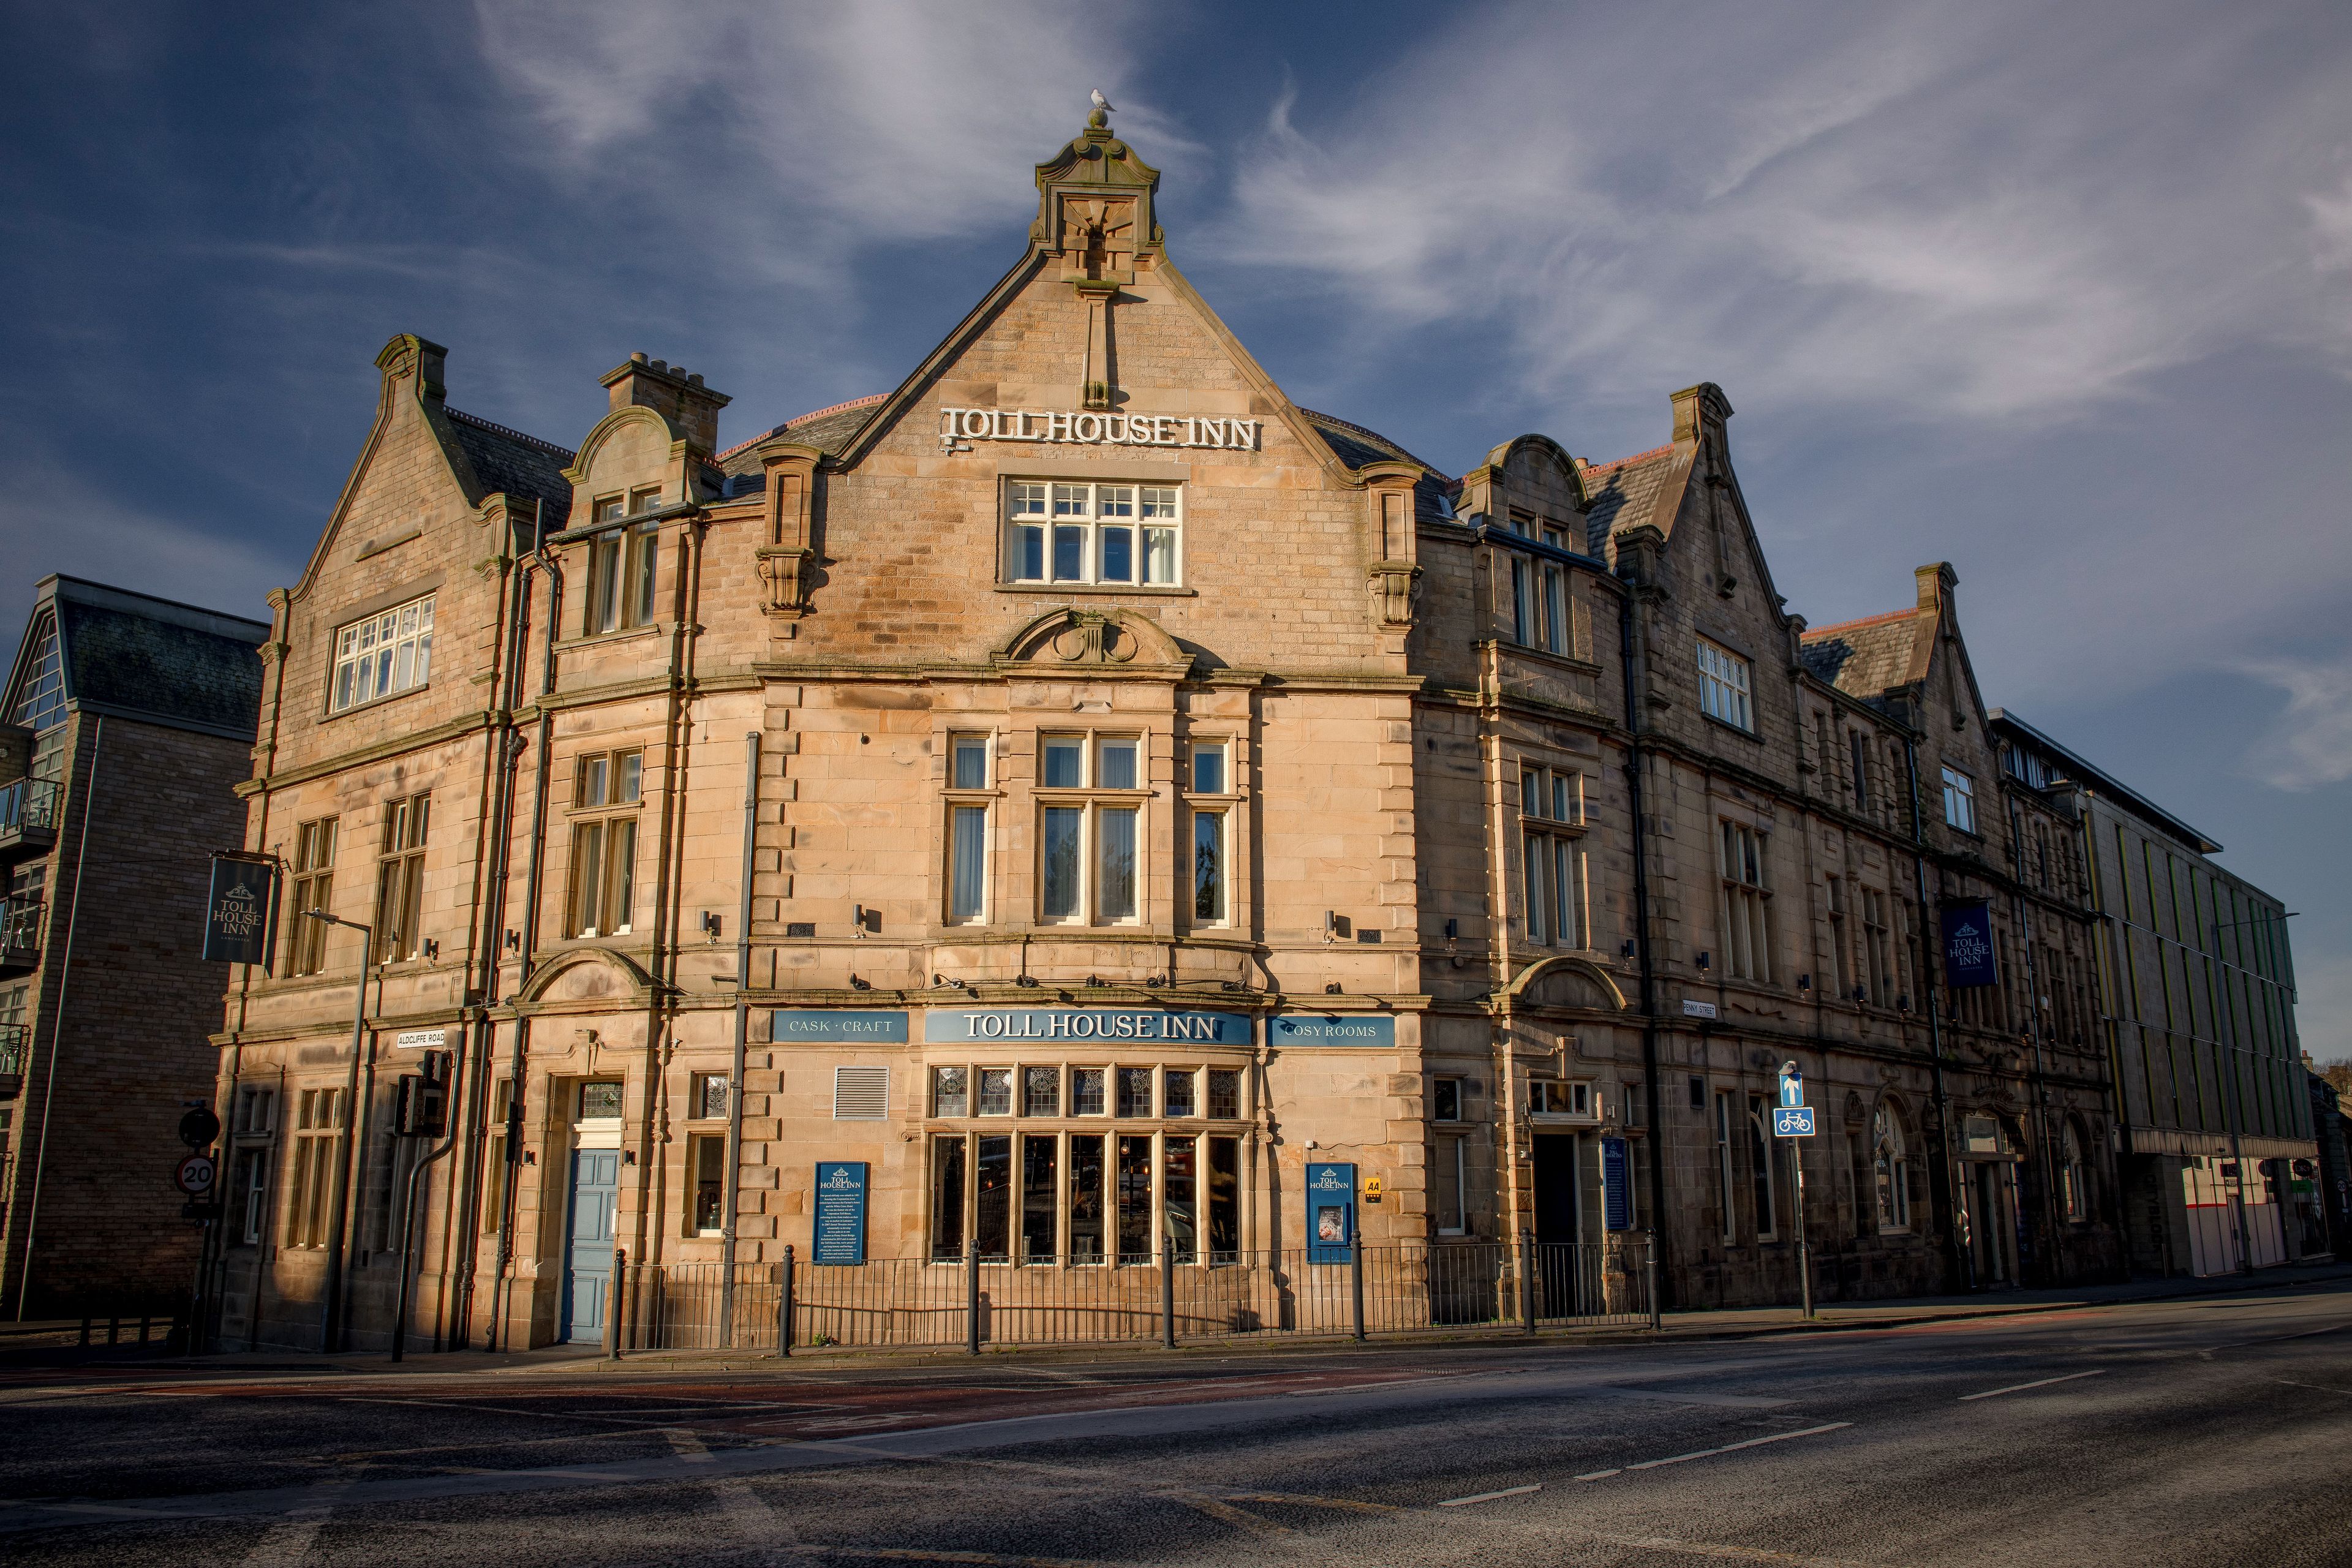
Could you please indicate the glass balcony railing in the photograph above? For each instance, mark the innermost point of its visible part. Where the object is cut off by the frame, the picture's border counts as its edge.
(20, 934)
(28, 808)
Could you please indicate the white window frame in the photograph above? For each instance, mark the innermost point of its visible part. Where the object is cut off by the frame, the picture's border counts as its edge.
(1552, 854)
(382, 655)
(964, 796)
(1890, 1169)
(1726, 686)
(1092, 508)
(1959, 799)
(1094, 802)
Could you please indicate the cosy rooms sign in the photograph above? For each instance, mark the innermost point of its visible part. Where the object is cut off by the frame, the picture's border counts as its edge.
(1083, 429)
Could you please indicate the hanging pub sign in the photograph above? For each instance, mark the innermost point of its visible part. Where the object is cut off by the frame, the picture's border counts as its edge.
(1968, 945)
(240, 911)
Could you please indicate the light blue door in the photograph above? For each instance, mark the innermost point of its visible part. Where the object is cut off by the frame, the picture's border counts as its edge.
(588, 1254)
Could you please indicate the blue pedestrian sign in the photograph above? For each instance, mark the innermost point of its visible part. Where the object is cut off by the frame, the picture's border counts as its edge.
(1792, 1121)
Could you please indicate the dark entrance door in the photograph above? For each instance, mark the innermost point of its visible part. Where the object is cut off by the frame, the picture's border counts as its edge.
(1559, 1262)
(588, 1250)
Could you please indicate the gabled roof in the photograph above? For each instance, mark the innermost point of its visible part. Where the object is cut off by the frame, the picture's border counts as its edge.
(1864, 658)
(1627, 492)
(829, 430)
(524, 466)
(157, 660)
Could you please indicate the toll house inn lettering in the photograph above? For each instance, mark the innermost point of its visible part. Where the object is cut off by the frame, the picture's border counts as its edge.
(1097, 429)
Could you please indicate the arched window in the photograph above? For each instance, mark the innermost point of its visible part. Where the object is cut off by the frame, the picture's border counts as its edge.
(1892, 1170)
(2074, 1176)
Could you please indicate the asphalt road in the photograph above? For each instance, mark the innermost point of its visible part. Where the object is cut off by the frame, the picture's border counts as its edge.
(2215, 1431)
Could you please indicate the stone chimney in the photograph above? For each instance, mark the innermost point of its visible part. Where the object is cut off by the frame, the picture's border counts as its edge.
(1935, 584)
(691, 407)
(1700, 411)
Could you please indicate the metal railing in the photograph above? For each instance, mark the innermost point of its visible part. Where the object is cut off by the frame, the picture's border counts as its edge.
(14, 1040)
(29, 802)
(20, 930)
(1409, 1287)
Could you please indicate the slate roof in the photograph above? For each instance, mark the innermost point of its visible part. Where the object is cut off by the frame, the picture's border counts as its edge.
(523, 467)
(1357, 447)
(1625, 492)
(156, 660)
(829, 430)
(1865, 657)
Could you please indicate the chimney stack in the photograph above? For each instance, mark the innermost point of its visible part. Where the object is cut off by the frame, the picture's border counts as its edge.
(666, 389)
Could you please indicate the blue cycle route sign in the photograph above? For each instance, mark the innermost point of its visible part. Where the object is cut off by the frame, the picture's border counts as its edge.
(1792, 1121)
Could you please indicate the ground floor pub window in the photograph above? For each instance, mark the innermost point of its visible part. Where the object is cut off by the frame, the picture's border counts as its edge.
(1085, 1198)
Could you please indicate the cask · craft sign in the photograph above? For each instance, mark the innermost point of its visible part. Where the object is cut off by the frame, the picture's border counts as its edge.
(238, 909)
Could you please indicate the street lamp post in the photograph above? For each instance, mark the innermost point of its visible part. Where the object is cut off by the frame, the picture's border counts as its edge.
(331, 1327)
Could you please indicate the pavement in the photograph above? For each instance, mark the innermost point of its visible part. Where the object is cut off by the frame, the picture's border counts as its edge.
(2193, 1423)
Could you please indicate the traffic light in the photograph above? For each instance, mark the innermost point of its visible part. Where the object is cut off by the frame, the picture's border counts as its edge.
(422, 1107)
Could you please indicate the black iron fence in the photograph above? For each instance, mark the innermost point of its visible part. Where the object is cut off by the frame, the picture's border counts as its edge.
(1415, 1287)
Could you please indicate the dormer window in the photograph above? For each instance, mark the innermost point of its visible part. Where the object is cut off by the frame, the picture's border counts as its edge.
(1725, 687)
(621, 565)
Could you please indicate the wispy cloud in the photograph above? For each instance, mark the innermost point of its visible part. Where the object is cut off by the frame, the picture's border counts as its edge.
(1992, 213)
(2310, 743)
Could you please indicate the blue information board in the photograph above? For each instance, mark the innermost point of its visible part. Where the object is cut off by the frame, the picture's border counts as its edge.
(1616, 1185)
(1792, 1121)
(840, 1212)
(1331, 1212)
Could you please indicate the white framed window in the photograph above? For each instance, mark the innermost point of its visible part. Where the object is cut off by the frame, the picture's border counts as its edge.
(1959, 800)
(1211, 774)
(1551, 804)
(1445, 1100)
(317, 1121)
(1746, 903)
(1725, 686)
(383, 655)
(706, 1097)
(1103, 535)
(1090, 821)
(969, 769)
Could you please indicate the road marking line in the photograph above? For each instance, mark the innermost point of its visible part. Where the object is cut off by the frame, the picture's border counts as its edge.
(1599, 1475)
(2039, 1383)
(687, 1446)
(1490, 1497)
(289, 1540)
(1225, 1513)
(1296, 1501)
(2321, 1386)
(1708, 1549)
(1735, 1448)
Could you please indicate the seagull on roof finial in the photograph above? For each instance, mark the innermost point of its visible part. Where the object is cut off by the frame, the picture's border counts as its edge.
(1103, 103)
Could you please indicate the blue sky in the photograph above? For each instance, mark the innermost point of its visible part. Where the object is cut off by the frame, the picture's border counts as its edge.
(2060, 295)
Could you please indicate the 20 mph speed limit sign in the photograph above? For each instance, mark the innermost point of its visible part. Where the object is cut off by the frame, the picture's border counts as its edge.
(195, 1175)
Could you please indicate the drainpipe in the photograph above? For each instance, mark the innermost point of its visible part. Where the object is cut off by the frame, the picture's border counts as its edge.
(1939, 1170)
(2024, 911)
(742, 1035)
(58, 1014)
(1630, 664)
(503, 1289)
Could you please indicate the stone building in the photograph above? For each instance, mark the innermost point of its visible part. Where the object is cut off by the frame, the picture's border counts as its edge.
(1095, 808)
(2214, 1140)
(130, 720)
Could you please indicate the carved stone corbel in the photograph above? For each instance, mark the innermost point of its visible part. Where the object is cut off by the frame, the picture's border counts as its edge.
(787, 572)
(1396, 585)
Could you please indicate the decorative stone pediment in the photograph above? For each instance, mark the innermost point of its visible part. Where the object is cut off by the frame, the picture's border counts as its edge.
(586, 974)
(1577, 983)
(1095, 640)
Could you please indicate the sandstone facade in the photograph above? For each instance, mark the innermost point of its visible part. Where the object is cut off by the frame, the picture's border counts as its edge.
(1085, 711)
